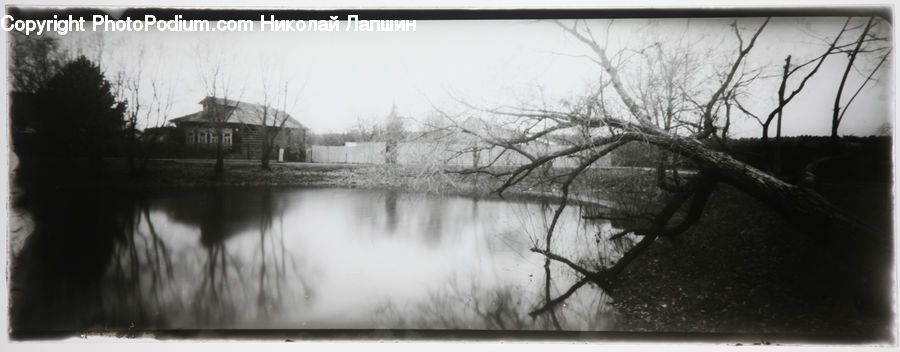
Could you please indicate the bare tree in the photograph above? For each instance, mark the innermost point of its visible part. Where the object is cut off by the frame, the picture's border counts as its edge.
(33, 61)
(272, 119)
(867, 43)
(788, 71)
(97, 43)
(127, 84)
(663, 83)
(157, 116)
(392, 134)
(218, 86)
(365, 130)
(873, 44)
(783, 98)
(149, 103)
(694, 140)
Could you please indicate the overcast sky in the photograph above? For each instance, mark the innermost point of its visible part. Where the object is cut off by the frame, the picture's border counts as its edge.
(341, 76)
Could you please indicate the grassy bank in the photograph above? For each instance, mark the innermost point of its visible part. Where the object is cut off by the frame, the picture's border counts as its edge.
(176, 174)
(193, 173)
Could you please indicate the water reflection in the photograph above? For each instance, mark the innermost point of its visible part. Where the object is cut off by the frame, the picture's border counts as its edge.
(298, 258)
(60, 268)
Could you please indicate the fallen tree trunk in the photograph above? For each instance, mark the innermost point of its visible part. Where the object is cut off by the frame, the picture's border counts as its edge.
(863, 253)
(799, 205)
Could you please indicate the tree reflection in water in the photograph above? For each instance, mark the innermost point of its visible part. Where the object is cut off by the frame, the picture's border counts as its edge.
(96, 261)
(242, 285)
(550, 301)
(502, 307)
(548, 278)
(271, 264)
(140, 273)
(243, 258)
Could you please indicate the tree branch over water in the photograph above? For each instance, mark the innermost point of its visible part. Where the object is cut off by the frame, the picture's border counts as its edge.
(587, 128)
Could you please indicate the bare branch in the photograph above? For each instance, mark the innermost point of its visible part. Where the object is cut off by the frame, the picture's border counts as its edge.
(556, 301)
(861, 86)
(708, 126)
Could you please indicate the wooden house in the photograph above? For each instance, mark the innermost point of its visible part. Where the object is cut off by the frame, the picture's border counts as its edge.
(241, 126)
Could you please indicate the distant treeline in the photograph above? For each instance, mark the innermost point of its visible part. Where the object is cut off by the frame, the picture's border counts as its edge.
(857, 158)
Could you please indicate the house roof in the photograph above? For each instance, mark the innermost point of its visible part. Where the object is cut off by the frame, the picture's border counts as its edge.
(244, 113)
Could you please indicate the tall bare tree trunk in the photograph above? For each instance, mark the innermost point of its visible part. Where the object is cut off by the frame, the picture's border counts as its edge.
(836, 111)
(776, 157)
(132, 147)
(266, 149)
(220, 160)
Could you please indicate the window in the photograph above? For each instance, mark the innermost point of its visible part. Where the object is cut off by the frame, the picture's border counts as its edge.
(203, 139)
(190, 138)
(227, 138)
(212, 138)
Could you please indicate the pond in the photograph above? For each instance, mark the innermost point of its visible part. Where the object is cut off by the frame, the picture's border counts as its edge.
(300, 258)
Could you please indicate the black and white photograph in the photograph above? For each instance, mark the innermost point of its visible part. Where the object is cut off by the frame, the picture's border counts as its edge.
(584, 175)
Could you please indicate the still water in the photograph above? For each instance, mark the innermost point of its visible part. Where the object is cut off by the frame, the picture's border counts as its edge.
(300, 258)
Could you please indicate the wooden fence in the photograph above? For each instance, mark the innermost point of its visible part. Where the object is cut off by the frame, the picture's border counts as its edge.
(360, 153)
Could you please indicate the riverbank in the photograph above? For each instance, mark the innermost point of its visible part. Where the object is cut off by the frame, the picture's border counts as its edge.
(198, 173)
(744, 269)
